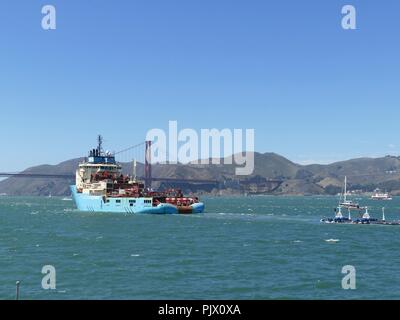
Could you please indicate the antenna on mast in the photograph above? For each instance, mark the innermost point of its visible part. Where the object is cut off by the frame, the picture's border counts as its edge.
(100, 144)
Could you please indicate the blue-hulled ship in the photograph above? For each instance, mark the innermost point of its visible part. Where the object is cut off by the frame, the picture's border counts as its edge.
(101, 187)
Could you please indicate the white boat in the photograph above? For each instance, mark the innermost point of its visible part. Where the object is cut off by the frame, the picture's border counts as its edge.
(381, 196)
(348, 204)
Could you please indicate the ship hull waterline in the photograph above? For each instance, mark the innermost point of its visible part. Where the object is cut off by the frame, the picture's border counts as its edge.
(127, 205)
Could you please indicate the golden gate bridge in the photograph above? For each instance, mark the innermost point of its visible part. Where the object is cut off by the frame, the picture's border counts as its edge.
(130, 153)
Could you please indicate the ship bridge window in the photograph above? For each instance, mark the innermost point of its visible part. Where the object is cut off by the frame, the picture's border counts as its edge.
(132, 201)
(118, 201)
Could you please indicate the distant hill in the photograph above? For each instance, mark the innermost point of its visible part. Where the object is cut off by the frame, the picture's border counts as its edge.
(39, 186)
(364, 174)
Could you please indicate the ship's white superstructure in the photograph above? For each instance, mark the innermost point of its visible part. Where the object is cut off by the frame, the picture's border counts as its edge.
(381, 195)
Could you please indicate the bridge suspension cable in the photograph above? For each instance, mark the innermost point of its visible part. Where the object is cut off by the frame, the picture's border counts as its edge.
(135, 152)
(130, 148)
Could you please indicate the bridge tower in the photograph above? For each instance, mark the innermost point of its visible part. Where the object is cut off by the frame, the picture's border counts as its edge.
(147, 165)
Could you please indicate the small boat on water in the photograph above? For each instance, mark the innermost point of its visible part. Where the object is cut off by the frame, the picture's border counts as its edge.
(339, 218)
(364, 219)
(384, 196)
(348, 204)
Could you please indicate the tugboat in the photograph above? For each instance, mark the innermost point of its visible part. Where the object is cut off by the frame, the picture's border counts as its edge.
(366, 218)
(339, 218)
(101, 187)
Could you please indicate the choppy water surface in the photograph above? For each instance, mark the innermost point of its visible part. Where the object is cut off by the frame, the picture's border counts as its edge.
(241, 248)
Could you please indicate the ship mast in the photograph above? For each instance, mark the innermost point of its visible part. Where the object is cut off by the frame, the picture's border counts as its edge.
(345, 189)
(134, 170)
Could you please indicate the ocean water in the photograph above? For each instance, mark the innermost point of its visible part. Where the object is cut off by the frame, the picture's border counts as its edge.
(241, 248)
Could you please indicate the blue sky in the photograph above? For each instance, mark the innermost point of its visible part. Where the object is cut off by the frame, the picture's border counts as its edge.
(312, 91)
